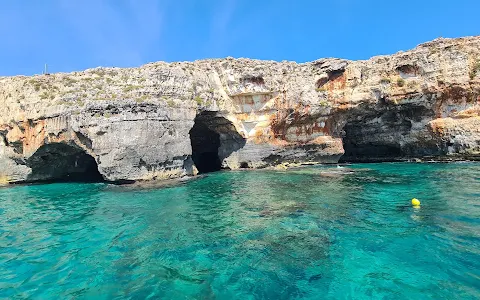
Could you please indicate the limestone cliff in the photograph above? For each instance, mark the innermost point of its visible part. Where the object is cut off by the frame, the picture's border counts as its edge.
(162, 120)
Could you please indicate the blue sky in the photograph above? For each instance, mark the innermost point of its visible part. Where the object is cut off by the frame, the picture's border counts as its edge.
(73, 35)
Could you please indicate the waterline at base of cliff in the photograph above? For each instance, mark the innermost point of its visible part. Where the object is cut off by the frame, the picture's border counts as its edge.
(315, 232)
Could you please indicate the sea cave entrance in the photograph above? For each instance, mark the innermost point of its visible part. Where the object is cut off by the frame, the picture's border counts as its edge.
(369, 143)
(213, 138)
(387, 133)
(59, 162)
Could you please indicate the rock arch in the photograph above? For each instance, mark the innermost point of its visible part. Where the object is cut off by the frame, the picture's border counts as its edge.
(213, 138)
(60, 162)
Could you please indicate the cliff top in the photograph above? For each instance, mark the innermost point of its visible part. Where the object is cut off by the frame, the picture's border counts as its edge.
(438, 44)
(213, 83)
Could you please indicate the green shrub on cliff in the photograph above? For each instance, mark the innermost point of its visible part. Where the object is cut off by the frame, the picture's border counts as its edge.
(141, 99)
(199, 100)
(400, 82)
(475, 70)
(130, 88)
(69, 81)
(412, 84)
(385, 80)
(36, 84)
(324, 103)
(44, 95)
(99, 72)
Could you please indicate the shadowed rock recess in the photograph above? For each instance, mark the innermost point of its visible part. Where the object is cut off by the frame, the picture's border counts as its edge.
(167, 120)
(62, 162)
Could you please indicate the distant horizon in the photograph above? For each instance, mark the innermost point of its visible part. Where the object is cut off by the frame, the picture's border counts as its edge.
(72, 36)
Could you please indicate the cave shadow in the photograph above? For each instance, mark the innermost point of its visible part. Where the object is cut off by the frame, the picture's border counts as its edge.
(368, 140)
(360, 147)
(213, 138)
(59, 162)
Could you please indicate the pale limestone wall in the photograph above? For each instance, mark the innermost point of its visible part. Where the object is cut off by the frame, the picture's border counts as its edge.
(135, 121)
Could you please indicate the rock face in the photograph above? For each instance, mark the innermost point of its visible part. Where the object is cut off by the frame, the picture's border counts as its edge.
(166, 120)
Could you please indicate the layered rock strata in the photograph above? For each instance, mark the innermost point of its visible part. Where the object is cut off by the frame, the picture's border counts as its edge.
(166, 120)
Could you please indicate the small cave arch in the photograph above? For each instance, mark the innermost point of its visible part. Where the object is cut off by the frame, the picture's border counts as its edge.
(331, 76)
(257, 80)
(60, 162)
(321, 82)
(378, 135)
(334, 74)
(213, 138)
(407, 71)
(369, 141)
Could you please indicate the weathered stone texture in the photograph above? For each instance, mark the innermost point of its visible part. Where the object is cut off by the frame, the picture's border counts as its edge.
(135, 122)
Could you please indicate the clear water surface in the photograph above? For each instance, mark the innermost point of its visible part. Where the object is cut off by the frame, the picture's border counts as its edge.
(313, 233)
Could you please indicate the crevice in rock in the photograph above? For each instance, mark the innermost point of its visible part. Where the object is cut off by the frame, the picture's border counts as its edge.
(321, 82)
(84, 140)
(213, 138)
(407, 71)
(331, 76)
(59, 162)
(3, 137)
(17, 146)
(257, 80)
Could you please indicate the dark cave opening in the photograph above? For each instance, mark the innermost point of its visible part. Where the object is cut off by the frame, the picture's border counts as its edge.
(369, 152)
(374, 142)
(58, 162)
(205, 143)
(387, 134)
(207, 162)
(213, 138)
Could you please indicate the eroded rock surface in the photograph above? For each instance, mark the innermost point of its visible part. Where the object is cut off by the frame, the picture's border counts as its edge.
(142, 123)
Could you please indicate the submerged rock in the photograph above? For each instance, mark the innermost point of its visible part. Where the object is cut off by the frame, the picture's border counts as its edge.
(168, 120)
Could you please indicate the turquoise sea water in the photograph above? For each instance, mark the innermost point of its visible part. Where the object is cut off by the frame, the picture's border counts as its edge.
(311, 233)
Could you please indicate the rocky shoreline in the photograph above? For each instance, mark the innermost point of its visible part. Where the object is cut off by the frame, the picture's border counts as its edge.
(170, 120)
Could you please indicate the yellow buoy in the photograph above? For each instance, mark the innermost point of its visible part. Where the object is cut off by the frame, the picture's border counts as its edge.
(415, 202)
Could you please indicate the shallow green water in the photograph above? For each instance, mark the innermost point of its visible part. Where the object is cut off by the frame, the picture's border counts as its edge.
(314, 233)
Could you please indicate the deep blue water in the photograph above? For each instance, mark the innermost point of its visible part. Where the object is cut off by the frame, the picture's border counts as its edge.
(312, 233)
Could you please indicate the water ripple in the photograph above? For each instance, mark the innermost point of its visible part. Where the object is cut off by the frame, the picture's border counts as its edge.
(325, 232)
